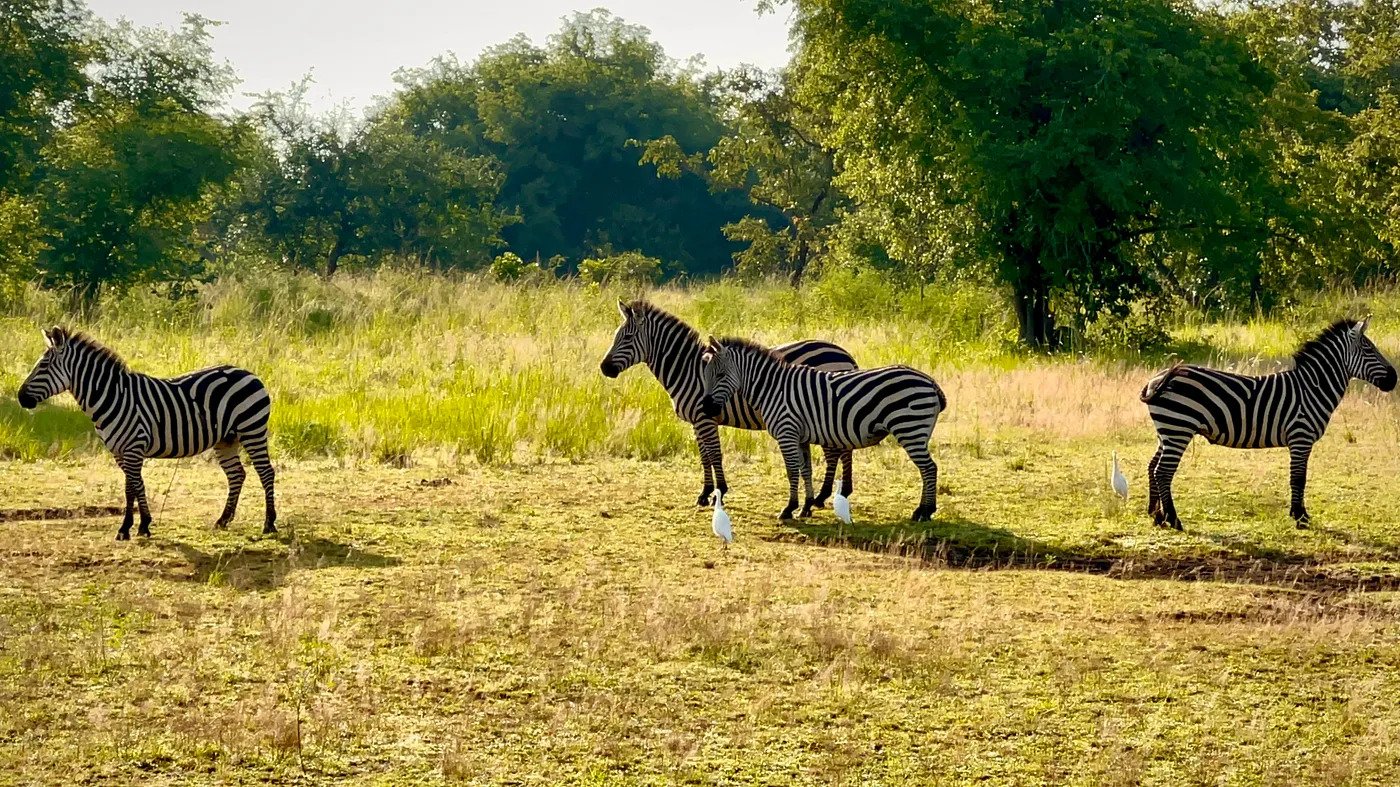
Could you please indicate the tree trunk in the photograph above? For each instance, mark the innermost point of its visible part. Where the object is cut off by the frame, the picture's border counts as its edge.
(333, 259)
(1031, 289)
(799, 263)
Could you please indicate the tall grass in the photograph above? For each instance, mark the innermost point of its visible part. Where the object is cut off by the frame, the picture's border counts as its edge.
(397, 367)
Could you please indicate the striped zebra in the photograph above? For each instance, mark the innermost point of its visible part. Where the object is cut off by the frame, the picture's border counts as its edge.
(1287, 409)
(673, 352)
(801, 405)
(141, 417)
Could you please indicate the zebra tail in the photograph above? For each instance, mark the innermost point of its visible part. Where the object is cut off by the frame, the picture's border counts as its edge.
(1157, 383)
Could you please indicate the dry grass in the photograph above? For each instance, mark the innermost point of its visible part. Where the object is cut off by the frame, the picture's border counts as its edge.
(560, 623)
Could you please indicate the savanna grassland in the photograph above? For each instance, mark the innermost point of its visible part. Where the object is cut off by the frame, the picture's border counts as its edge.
(490, 568)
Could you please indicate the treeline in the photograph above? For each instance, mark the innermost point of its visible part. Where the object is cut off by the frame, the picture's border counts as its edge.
(1102, 159)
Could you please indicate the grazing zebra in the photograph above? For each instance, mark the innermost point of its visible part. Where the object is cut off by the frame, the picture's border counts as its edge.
(801, 405)
(141, 417)
(1288, 409)
(673, 351)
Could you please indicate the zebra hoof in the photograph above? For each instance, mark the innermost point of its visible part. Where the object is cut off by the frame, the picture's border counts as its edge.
(820, 501)
(123, 535)
(922, 514)
(786, 515)
(269, 528)
(222, 524)
(1302, 524)
(703, 500)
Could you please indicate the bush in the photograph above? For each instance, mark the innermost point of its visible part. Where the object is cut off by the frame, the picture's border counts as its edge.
(1144, 329)
(629, 267)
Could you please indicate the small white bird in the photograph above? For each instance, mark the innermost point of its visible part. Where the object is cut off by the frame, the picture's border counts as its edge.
(1119, 481)
(841, 504)
(720, 524)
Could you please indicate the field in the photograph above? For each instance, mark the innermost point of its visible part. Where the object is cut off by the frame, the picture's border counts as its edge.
(491, 570)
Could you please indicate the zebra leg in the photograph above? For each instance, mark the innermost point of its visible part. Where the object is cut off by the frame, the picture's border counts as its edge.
(232, 464)
(711, 457)
(848, 484)
(807, 479)
(791, 449)
(915, 444)
(1154, 500)
(832, 456)
(1166, 469)
(124, 532)
(256, 445)
(1298, 454)
(135, 490)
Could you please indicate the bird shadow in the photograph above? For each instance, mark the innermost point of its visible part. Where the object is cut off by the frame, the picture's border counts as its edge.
(954, 542)
(266, 563)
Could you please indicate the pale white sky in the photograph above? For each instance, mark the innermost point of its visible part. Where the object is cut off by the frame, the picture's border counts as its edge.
(352, 47)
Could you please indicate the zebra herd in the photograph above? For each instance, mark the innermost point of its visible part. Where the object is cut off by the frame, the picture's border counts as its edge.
(804, 393)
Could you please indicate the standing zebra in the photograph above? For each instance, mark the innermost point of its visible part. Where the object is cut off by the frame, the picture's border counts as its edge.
(801, 405)
(673, 351)
(1289, 408)
(141, 417)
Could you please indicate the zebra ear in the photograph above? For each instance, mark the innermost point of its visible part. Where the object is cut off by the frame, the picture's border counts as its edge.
(715, 346)
(55, 337)
(624, 309)
(1361, 326)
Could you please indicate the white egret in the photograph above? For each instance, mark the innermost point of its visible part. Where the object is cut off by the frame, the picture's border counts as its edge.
(1119, 481)
(841, 504)
(720, 524)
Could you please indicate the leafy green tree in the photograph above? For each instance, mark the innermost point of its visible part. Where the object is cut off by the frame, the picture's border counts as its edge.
(43, 58)
(559, 119)
(774, 150)
(1339, 129)
(324, 189)
(1095, 151)
(129, 177)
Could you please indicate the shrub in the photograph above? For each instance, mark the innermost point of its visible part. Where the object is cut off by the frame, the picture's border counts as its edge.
(629, 267)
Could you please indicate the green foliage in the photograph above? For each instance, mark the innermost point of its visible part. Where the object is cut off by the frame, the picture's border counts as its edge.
(1098, 151)
(629, 267)
(43, 59)
(321, 192)
(559, 119)
(772, 149)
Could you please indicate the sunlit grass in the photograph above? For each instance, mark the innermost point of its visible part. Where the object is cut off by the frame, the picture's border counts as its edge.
(402, 366)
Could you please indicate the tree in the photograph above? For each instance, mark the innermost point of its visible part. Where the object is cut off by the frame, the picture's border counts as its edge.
(1096, 151)
(559, 119)
(324, 189)
(774, 150)
(129, 176)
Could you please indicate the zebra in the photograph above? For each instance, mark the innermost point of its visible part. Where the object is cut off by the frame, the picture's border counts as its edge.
(673, 351)
(141, 417)
(849, 410)
(1286, 409)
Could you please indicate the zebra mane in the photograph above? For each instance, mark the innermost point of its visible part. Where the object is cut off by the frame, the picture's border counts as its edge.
(750, 346)
(644, 308)
(1315, 345)
(88, 342)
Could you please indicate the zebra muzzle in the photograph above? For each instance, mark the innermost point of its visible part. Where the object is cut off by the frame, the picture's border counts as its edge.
(710, 407)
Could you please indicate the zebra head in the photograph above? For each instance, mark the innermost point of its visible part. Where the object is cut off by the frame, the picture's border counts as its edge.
(51, 375)
(720, 377)
(627, 346)
(1365, 362)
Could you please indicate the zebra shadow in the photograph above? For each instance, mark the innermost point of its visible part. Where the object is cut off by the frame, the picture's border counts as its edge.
(266, 563)
(951, 542)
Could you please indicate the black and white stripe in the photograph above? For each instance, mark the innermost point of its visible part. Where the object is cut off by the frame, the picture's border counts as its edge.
(673, 351)
(140, 417)
(801, 406)
(1288, 409)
